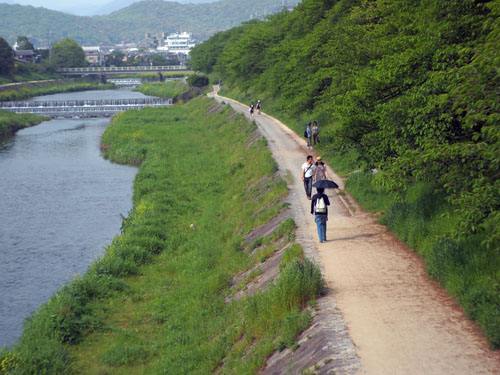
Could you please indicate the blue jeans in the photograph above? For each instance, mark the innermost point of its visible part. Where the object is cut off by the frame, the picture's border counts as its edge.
(321, 225)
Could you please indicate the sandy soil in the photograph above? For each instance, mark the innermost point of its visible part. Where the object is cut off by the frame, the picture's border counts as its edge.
(399, 321)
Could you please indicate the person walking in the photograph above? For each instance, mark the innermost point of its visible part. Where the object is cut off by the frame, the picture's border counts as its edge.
(307, 175)
(315, 132)
(319, 208)
(308, 135)
(320, 173)
(259, 106)
(251, 109)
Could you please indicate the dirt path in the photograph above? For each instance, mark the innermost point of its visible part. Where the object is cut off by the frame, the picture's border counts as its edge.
(399, 321)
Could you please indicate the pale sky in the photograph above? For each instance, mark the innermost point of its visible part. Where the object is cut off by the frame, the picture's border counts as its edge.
(85, 7)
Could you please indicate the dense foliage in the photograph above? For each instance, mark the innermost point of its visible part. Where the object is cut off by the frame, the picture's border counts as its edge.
(407, 87)
(132, 22)
(413, 86)
(6, 57)
(68, 54)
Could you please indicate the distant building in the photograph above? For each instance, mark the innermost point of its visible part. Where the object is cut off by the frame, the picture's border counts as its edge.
(94, 55)
(177, 43)
(26, 56)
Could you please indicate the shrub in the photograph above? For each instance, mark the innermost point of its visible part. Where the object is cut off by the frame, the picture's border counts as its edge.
(195, 80)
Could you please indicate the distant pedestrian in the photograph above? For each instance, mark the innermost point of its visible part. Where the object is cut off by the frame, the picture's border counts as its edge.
(307, 175)
(308, 135)
(259, 106)
(315, 132)
(319, 207)
(251, 109)
(320, 173)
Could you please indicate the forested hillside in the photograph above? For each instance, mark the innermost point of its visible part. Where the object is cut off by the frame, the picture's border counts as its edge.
(132, 22)
(409, 87)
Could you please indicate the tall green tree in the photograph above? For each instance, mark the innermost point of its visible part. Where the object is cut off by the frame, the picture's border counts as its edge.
(68, 54)
(6, 57)
(159, 60)
(23, 43)
(116, 58)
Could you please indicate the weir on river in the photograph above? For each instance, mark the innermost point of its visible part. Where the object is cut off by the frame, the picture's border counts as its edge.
(103, 107)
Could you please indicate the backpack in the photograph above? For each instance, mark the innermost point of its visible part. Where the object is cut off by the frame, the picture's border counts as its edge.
(320, 207)
(305, 133)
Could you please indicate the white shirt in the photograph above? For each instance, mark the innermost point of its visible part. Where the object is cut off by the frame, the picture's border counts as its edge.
(309, 169)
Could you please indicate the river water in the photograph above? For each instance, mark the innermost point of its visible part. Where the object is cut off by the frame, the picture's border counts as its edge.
(61, 204)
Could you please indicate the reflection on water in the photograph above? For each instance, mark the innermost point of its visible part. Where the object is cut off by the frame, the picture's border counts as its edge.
(60, 206)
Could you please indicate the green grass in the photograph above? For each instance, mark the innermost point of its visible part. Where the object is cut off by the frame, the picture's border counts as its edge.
(169, 89)
(155, 303)
(11, 122)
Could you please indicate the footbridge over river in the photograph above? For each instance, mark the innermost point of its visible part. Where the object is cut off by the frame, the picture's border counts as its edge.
(82, 108)
(113, 70)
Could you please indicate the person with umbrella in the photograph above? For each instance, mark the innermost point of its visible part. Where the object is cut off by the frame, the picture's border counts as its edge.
(319, 208)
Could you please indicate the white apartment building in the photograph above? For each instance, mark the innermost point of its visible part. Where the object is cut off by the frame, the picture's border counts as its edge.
(177, 43)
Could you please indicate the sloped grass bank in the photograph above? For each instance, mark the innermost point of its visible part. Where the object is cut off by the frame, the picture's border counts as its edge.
(12, 122)
(468, 266)
(157, 302)
(170, 89)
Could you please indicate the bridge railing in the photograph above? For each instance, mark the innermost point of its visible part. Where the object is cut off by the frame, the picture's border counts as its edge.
(101, 69)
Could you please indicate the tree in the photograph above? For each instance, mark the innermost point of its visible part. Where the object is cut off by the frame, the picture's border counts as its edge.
(159, 60)
(116, 58)
(68, 54)
(6, 57)
(23, 43)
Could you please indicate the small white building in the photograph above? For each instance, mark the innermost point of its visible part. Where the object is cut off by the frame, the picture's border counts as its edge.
(177, 43)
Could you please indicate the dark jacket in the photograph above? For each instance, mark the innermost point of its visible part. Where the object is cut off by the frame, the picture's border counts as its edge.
(313, 202)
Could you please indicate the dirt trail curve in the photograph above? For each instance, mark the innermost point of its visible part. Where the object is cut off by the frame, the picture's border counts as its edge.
(399, 321)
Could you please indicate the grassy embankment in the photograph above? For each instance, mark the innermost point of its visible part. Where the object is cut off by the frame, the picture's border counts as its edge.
(170, 89)
(51, 88)
(27, 76)
(156, 302)
(12, 122)
(467, 267)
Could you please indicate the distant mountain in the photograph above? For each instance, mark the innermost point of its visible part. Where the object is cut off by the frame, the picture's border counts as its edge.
(132, 22)
(113, 6)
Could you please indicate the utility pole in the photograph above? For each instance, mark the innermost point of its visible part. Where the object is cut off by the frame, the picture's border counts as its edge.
(50, 46)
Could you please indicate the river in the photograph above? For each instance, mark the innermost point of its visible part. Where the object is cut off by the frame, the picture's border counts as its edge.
(61, 204)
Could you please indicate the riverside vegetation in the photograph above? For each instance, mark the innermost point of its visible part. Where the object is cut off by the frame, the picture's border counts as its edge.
(159, 300)
(170, 89)
(12, 122)
(409, 88)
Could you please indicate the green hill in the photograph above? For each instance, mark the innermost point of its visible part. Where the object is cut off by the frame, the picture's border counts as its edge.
(132, 22)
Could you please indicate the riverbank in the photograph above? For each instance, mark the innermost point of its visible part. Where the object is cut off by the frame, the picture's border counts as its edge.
(175, 292)
(12, 122)
(31, 89)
